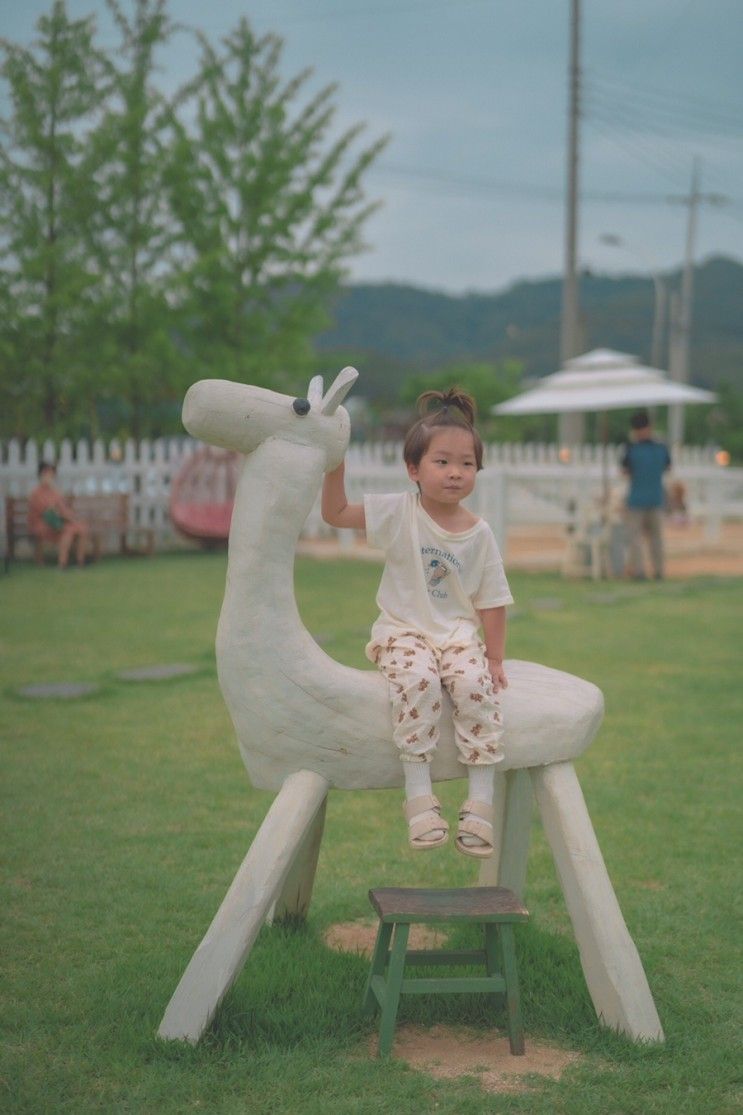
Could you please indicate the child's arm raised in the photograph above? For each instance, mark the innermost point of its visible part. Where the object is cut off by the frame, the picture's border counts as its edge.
(493, 622)
(336, 510)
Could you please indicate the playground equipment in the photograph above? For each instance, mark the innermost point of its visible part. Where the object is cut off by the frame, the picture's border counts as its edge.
(306, 724)
(203, 494)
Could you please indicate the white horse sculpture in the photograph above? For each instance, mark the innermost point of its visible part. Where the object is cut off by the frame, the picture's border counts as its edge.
(306, 723)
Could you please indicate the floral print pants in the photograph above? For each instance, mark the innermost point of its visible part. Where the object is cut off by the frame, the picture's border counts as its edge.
(416, 672)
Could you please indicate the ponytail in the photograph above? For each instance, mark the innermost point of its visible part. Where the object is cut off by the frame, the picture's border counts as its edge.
(455, 397)
(437, 409)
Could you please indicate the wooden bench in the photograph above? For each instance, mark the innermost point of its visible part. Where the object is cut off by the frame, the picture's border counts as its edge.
(107, 515)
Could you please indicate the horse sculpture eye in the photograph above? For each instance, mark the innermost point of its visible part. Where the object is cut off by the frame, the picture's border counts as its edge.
(301, 406)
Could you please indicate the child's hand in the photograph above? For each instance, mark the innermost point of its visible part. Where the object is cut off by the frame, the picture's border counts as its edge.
(497, 674)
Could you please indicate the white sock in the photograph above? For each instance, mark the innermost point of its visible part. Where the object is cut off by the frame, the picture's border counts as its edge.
(417, 784)
(417, 779)
(481, 783)
(481, 787)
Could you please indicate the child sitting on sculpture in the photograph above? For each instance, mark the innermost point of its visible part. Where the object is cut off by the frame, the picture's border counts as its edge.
(443, 579)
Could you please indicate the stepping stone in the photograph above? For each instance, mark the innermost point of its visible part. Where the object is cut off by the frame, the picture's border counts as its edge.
(66, 690)
(158, 673)
(547, 603)
(605, 598)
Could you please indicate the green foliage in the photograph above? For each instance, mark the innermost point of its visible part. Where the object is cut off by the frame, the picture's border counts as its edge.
(489, 384)
(394, 332)
(266, 210)
(722, 423)
(426, 329)
(46, 278)
(131, 231)
(145, 243)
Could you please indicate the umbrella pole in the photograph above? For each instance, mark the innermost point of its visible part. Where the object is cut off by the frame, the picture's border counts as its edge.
(604, 427)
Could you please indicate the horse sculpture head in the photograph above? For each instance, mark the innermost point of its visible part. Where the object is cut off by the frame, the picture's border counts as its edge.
(237, 416)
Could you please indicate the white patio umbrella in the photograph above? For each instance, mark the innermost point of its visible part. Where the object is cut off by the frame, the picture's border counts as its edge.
(602, 380)
(598, 381)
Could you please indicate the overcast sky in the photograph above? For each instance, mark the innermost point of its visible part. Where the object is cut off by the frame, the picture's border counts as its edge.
(474, 95)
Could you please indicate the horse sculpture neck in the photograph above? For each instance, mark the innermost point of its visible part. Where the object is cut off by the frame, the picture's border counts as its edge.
(276, 491)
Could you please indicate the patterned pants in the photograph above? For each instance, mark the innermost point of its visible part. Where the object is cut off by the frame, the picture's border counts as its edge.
(416, 671)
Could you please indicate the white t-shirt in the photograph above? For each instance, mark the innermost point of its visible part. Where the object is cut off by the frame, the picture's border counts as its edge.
(434, 582)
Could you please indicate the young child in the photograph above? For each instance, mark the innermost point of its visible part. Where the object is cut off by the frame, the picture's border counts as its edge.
(443, 579)
(51, 519)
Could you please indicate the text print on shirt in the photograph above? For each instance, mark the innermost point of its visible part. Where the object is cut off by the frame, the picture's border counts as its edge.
(438, 564)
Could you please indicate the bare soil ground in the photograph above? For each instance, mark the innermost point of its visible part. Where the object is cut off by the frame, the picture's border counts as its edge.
(690, 553)
(448, 1052)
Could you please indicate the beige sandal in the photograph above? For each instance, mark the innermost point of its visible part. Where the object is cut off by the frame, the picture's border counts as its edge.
(476, 819)
(426, 810)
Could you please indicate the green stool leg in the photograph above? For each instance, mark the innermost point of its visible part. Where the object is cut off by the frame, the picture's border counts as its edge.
(379, 961)
(392, 989)
(510, 974)
(491, 949)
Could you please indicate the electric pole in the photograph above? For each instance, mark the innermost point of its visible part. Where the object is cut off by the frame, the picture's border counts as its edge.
(571, 425)
(681, 318)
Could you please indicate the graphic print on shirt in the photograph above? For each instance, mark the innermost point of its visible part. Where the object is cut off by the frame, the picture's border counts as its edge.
(437, 566)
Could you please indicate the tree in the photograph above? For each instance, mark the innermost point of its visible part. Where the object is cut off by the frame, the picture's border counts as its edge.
(133, 229)
(45, 278)
(269, 208)
(720, 424)
(489, 384)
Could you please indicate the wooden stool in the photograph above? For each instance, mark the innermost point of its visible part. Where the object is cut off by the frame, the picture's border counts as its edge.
(495, 908)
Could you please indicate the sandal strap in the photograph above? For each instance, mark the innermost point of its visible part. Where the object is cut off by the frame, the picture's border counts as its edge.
(471, 826)
(430, 821)
(478, 809)
(422, 804)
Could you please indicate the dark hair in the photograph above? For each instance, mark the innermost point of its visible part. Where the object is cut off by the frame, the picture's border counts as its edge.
(454, 407)
(640, 420)
(44, 465)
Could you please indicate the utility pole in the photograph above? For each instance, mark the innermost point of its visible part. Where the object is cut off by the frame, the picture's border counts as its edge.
(681, 317)
(571, 425)
(660, 295)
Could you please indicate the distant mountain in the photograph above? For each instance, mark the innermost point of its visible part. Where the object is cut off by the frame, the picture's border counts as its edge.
(392, 331)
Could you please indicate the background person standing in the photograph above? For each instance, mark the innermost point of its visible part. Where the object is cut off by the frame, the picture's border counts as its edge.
(645, 461)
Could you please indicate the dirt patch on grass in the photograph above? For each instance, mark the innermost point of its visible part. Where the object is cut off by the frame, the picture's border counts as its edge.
(359, 937)
(446, 1053)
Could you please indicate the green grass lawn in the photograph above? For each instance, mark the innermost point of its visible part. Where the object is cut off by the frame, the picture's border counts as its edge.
(126, 814)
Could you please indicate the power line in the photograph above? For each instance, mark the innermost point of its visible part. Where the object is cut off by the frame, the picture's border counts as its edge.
(667, 97)
(634, 108)
(530, 190)
(638, 151)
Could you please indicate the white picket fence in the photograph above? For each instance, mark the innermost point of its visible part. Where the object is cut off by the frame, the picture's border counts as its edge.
(520, 484)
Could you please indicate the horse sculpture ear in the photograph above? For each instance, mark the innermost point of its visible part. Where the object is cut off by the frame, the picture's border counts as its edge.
(338, 390)
(315, 391)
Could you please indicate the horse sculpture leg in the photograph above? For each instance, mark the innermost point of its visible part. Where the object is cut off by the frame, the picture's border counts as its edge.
(513, 808)
(260, 880)
(294, 900)
(612, 967)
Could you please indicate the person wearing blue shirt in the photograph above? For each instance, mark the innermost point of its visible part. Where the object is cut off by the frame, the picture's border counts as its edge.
(645, 461)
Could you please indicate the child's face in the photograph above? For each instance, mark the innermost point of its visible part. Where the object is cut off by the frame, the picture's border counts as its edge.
(448, 469)
(47, 476)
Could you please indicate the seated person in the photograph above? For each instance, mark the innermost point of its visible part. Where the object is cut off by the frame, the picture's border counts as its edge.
(50, 518)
